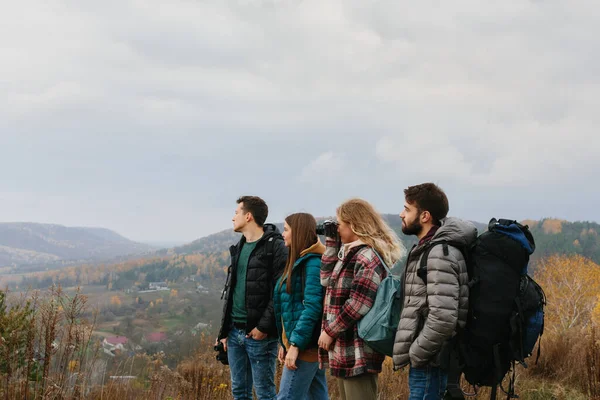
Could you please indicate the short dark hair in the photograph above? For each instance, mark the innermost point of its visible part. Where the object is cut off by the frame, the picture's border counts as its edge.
(256, 206)
(428, 197)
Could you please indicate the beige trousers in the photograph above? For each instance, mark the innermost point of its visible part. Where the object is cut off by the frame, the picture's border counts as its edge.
(362, 387)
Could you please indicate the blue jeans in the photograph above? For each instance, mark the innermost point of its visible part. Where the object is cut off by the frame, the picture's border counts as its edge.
(251, 362)
(307, 382)
(427, 383)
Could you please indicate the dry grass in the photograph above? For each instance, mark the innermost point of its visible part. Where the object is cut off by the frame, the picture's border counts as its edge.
(47, 352)
(46, 346)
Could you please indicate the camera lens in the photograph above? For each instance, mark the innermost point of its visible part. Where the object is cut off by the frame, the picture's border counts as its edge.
(320, 229)
(327, 228)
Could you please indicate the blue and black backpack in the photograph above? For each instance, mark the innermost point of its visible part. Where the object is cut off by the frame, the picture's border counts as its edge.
(506, 309)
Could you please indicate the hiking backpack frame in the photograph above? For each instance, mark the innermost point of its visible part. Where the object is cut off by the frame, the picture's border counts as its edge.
(506, 309)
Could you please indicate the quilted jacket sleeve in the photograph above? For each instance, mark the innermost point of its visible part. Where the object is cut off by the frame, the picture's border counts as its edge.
(313, 306)
(443, 290)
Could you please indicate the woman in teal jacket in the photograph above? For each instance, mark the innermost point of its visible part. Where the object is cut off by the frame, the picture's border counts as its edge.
(298, 304)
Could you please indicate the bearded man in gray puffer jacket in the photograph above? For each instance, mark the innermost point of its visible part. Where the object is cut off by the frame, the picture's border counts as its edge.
(436, 300)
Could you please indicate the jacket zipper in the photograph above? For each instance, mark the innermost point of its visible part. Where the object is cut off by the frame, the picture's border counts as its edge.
(246, 280)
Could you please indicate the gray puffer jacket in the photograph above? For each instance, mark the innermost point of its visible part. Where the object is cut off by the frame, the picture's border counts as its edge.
(432, 311)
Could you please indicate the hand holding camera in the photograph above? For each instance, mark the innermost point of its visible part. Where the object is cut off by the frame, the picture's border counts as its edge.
(221, 349)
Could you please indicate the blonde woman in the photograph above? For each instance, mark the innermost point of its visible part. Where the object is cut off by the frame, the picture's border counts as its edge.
(351, 273)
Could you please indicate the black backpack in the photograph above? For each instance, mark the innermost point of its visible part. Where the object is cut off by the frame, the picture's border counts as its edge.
(506, 309)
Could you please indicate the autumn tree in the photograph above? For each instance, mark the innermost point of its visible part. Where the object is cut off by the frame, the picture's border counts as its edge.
(571, 284)
(596, 313)
(115, 301)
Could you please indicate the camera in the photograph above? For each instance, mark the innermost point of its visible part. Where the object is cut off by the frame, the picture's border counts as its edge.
(222, 353)
(327, 228)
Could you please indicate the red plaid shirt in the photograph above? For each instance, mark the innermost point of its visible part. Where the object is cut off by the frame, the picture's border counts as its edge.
(351, 290)
(429, 235)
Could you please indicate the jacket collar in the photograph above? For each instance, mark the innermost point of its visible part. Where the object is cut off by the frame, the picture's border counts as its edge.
(269, 230)
(316, 250)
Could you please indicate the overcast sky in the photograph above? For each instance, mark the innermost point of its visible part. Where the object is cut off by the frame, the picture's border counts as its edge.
(151, 117)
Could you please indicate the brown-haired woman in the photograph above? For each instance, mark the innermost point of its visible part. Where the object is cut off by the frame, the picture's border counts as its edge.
(298, 305)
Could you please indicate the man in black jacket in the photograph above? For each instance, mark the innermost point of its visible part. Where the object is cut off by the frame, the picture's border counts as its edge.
(248, 330)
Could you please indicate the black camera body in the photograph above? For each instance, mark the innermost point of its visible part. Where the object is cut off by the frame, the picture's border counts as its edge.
(221, 353)
(327, 228)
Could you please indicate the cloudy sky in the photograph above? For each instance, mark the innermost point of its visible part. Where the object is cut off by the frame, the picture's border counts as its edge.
(152, 117)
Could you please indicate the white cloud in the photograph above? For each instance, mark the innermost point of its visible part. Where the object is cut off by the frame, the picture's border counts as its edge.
(176, 98)
(326, 168)
(423, 155)
(529, 153)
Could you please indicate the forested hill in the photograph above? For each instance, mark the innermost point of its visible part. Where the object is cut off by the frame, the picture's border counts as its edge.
(552, 236)
(207, 259)
(24, 243)
(222, 240)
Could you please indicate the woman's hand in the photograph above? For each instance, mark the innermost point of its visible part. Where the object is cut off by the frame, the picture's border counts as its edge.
(290, 358)
(281, 354)
(325, 341)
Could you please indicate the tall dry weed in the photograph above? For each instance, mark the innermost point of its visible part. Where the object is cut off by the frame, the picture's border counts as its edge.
(47, 351)
(47, 342)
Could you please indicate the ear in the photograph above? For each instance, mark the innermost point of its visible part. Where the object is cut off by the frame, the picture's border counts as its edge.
(249, 217)
(425, 217)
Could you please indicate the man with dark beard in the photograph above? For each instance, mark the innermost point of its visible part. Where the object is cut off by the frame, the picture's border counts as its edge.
(436, 297)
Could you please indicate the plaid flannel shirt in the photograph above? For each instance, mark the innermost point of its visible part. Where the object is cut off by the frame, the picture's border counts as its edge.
(351, 287)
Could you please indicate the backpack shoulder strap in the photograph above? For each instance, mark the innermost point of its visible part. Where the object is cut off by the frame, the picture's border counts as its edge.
(270, 248)
(387, 269)
(454, 371)
(422, 271)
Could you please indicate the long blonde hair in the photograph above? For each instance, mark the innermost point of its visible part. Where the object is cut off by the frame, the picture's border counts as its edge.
(367, 224)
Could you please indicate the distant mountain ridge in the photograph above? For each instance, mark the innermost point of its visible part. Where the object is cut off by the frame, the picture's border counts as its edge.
(552, 236)
(28, 246)
(27, 243)
(205, 260)
(221, 241)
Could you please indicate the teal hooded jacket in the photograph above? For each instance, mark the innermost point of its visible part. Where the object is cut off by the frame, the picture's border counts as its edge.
(301, 312)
